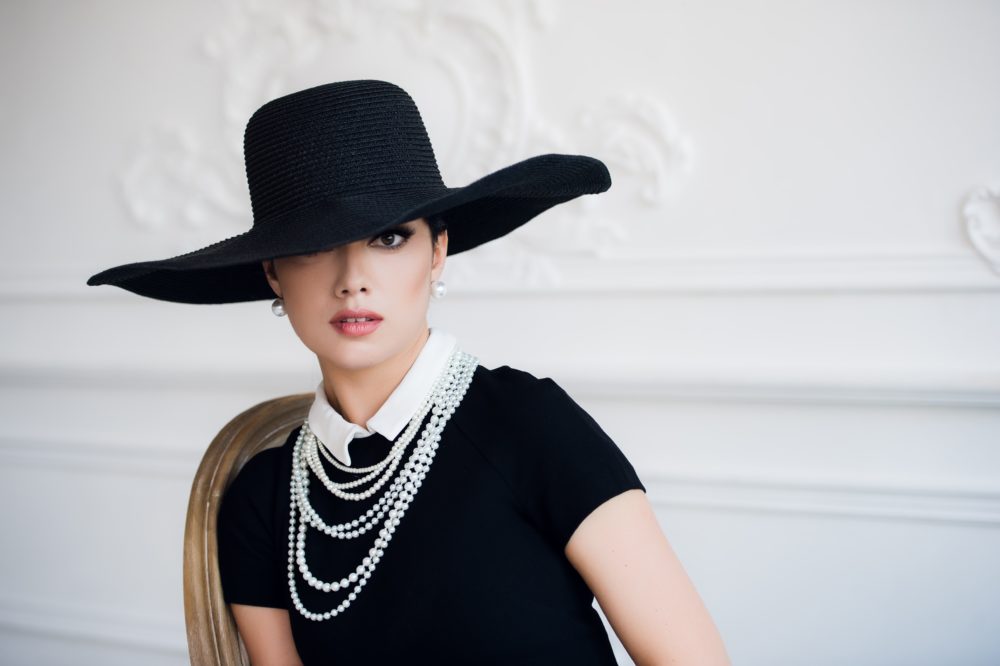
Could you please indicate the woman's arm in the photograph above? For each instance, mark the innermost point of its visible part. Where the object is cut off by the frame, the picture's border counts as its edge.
(624, 557)
(267, 634)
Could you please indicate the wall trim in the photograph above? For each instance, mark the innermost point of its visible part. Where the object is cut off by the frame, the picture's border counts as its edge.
(628, 271)
(94, 624)
(822, 498)
(90, 457)
(966, 506)
(763, 384)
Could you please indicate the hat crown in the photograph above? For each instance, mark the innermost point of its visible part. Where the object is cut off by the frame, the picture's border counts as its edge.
(336, 140)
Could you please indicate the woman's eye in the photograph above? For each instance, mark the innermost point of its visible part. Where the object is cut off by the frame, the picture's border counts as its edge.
(394, 238)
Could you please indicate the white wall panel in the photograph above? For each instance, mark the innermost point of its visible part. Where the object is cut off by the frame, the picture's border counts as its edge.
(785, 310)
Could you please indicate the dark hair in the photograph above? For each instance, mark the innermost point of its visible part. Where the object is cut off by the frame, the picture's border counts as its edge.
(436, 223)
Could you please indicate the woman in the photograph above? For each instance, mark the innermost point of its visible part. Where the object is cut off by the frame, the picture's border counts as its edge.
(476, 513)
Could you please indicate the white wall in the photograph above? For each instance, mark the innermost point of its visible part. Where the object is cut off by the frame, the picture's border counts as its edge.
(785, 310)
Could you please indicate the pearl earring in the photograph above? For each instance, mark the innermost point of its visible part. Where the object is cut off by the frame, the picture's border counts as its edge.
(438, 289)
(278, 307)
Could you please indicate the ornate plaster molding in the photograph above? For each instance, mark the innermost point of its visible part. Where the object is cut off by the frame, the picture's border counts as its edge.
(475, 57)
(981, 214)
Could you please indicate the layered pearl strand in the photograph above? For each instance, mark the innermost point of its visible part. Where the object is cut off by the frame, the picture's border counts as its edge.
(442, 400)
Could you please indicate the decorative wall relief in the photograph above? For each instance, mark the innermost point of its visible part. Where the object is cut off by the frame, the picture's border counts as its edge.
(649, 159)
(981, 214)
(174, 185)
(467, 65)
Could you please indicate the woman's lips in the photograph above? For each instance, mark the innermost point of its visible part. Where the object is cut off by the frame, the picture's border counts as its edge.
(356, 328)
(359, 326)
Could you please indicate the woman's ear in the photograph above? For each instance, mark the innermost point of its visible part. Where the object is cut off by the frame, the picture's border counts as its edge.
(440, 252)
(272, 276)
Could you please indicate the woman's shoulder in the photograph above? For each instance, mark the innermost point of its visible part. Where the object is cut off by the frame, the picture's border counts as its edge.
(513, 384)
(263, 470)
(557, 460)
(505, 398)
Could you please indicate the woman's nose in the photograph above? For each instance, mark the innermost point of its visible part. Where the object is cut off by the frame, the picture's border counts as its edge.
(351, 276)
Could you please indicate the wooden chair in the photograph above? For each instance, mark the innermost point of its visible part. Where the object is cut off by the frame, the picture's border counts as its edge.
(211, 629)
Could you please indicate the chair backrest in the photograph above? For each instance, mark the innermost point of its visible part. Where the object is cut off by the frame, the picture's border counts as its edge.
(211, 630)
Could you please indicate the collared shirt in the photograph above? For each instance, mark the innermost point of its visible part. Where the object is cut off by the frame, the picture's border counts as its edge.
(337, 433)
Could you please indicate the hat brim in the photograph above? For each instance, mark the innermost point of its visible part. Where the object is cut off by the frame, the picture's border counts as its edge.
(230, 271)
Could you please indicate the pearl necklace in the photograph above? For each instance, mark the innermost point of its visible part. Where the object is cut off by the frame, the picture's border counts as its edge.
(442, 400)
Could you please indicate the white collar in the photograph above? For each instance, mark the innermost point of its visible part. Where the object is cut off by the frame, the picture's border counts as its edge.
(395, 413)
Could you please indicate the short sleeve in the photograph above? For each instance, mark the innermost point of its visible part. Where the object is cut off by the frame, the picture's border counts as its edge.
(249, 564)
(568, 465)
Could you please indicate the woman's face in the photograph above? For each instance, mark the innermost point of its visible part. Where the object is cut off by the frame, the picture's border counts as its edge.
(390, 274)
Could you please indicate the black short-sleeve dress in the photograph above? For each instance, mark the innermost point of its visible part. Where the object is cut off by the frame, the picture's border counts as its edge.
(476, 571)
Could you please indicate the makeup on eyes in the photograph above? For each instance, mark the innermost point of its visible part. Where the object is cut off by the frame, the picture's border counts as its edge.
(403, 232)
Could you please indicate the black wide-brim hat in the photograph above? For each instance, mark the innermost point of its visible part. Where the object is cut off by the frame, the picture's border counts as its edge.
(342, 162)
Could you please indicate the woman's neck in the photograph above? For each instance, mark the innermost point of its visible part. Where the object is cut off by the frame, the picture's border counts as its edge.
(358, 394)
